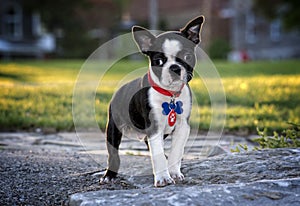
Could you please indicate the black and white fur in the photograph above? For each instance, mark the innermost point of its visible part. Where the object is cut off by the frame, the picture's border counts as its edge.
(136, 106)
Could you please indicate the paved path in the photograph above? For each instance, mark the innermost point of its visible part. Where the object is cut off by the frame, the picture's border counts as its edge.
(46, 169)
(94, 143)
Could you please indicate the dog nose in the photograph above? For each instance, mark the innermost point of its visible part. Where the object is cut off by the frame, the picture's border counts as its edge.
(175, 68)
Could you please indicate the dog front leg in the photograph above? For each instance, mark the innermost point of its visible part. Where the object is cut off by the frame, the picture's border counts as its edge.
(159, 162)
(179, 139)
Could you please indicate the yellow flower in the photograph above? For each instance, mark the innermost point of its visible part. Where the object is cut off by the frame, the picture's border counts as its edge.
(243, 86)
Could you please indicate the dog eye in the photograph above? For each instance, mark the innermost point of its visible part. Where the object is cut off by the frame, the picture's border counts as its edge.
(188, 57)
(159, 61)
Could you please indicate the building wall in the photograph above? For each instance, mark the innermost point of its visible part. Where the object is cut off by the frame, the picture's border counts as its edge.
(20, 32)
(261, 39)
(234, 21)
(175, 14)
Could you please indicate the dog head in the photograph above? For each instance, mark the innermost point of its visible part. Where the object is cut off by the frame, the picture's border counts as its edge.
(171, 54)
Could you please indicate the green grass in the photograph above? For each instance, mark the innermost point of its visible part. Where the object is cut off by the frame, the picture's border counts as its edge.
(38, 94)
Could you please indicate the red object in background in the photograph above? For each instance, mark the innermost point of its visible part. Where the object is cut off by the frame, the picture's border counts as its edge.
(244, 56)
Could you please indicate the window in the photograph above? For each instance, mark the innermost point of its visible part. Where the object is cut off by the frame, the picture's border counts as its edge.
(36, 24)
(275, 30)
(250, 29)
(12, 21)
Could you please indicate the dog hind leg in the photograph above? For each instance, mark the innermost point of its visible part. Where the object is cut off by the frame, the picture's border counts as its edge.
(113, 140)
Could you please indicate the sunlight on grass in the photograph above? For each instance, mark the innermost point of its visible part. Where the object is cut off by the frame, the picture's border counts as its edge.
(38, 94)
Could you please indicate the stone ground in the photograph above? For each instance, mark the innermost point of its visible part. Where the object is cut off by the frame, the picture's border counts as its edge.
(60, 169)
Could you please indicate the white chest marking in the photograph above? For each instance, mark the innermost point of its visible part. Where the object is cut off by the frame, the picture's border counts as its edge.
(156, 100)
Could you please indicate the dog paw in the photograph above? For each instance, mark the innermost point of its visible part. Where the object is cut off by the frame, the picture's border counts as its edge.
(177, 176)
(163, 180)
(108, 177)
(107, 180)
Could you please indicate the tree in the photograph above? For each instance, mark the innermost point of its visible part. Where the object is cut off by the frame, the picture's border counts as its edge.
(287, 10)
(60, 17)
(56, 14)
(71, 20)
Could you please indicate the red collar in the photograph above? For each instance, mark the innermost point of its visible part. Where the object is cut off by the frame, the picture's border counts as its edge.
(164, 91)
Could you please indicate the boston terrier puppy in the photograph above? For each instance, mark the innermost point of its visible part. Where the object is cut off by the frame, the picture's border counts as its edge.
(158, 104)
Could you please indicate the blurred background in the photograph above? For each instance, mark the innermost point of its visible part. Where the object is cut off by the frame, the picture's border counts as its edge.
(234, 29)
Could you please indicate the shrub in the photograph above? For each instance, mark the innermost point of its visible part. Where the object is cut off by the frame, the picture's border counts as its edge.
(219, 49)
(290, 138)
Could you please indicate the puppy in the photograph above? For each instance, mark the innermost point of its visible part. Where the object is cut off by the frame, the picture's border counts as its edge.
(159, 103)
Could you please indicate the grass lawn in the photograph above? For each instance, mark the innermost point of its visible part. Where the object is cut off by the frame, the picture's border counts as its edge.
(38, 94)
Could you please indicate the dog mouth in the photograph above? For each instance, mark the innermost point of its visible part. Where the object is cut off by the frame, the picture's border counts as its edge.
(171, 77)
(174, 82)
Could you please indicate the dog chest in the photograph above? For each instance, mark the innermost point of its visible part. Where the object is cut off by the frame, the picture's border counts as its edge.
(156, 102)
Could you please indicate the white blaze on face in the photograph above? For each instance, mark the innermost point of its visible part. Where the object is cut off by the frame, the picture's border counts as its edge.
(170, 49)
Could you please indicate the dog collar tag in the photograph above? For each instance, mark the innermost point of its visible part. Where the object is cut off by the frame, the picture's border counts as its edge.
(171, 109)
(172, 118)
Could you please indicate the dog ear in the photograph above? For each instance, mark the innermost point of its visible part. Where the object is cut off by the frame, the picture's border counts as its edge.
(192, 29)
(143, 38)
